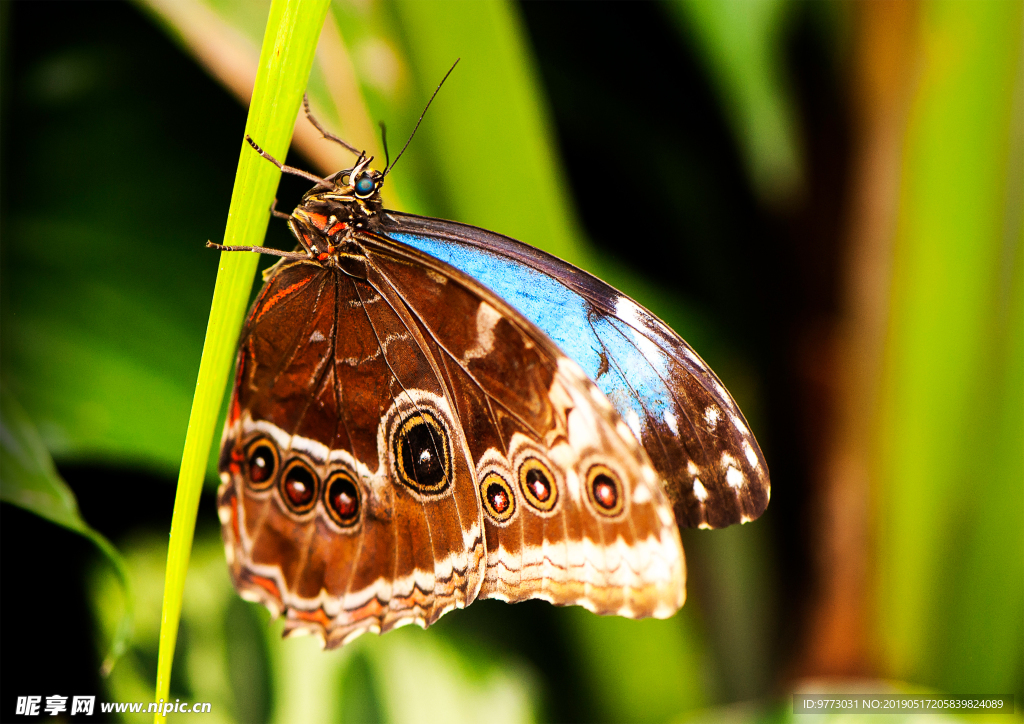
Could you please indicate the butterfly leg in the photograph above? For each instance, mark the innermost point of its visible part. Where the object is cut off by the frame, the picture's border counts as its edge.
(261, 250)
(278, 214)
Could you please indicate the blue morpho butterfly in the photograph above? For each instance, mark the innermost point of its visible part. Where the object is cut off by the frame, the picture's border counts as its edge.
(426, 413)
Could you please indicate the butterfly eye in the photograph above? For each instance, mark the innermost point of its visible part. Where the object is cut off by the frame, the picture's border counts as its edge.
(298, 487)
(421, 454)
(604, 490)
(537, 484)
(342, 495)
(262, 463)
(365, 185)
(499, 501)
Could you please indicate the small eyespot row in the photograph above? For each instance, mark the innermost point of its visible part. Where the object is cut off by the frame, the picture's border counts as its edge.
(299, 485)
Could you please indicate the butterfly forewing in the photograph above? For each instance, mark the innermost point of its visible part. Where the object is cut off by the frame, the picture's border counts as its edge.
(691, 428)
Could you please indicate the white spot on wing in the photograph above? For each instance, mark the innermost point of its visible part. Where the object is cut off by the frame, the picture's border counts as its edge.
(317, 336)
(651, 352)
(632, 314)
(672, 422)
(751, 455)
(734, 477)
(486, 317)
(738, 422)
(691, 468)
(436, 278)
(711, 416)
(699, 490)
(633, 420)
(627, 310)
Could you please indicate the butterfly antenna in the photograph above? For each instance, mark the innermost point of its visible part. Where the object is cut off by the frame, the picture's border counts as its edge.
(323, 131)
(384, 140)
(387, 169)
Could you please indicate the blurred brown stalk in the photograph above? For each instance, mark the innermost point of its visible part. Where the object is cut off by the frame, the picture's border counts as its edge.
(885, 56)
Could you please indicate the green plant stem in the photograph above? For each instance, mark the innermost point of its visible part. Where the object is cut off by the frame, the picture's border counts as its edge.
(289, 44)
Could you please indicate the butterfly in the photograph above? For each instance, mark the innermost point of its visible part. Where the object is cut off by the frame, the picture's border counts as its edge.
(426, 414)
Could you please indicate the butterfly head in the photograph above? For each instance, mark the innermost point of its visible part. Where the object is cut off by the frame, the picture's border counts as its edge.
(361, 181)
(359, 186)
(343, 203)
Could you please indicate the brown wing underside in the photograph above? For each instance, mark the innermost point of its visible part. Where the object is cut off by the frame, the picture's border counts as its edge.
(355, 374)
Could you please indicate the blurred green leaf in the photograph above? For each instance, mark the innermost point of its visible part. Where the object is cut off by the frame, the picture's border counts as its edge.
(308, 681)
(488, 132)
(105, 377)
(642, 671)
(742, 47)
(737, 606)
(423, 678)
(29, 480)
(205, 659)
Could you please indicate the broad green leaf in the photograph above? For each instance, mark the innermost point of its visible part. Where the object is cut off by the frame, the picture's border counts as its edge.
(29, 480)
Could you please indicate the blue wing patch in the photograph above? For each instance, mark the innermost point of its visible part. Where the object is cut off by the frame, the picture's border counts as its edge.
(678, 409)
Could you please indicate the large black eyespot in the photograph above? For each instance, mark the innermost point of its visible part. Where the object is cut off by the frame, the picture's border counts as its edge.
(261, 464)
(365, 185)
(423, 454)
(605, 490)
(538, 485)
(499, 501)
(341, 493)
(298, 486)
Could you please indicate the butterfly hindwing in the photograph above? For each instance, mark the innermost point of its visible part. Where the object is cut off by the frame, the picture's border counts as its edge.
(573, 509)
